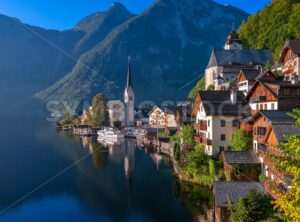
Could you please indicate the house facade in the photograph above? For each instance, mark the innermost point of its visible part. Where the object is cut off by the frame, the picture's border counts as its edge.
(217, 115)
(273, 95)
(160, 117)
(116, 111)
(290, 60)
(270, 127)
(247, 78)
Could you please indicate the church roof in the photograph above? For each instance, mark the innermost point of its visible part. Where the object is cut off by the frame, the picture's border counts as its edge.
(129, 75)
(239, 57)
(233, 37)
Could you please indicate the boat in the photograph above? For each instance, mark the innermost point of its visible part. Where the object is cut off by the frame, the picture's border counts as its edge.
(110, 133)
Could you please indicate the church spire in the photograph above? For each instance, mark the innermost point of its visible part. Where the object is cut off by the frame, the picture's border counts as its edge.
(129, 75)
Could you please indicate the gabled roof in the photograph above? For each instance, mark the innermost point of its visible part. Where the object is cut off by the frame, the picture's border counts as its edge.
(250, 74)
(282, 130)
(218, 95)
(226, 109)
(230, 192)
(269, 84)
(242, 157)
(276, 117)
(239, 57)
(293, 44)
(219, 103)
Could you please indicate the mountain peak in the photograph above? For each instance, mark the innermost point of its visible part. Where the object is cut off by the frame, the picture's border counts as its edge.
(118, 6)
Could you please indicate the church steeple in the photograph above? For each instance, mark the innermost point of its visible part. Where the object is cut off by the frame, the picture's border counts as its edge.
(129, 97)
(129, 75)
(233, 40)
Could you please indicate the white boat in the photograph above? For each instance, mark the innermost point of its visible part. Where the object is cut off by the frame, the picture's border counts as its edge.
(109, 133)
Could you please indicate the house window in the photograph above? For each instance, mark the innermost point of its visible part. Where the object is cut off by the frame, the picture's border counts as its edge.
(272, 106)
(223, 137)
(229, 148)
(221, 149)
(223, 123)
(266, 107)
(208, 123)
(235, 123)
(262, 147)
(261, 131)
(261, 106)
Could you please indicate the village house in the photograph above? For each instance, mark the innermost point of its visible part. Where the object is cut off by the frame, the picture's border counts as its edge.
(290, 60)
(116, 111)
(273, 95)
(163, 117)
(247, 77)
(226, 193)
(217, 115)
(270, 128)
(85, 117)
(225, 65)
(248, 159)
(183, 115)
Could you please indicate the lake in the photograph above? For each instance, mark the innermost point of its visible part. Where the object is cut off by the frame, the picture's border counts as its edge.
(50, 176)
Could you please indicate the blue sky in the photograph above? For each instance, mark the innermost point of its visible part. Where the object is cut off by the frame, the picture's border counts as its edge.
(63, 14)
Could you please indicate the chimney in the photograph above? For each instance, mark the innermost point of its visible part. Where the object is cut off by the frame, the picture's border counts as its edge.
(233, 95)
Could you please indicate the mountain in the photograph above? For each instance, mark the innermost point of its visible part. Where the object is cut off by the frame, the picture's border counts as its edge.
(169, 44)
(270, 27)
(98, 25)
(33, 58)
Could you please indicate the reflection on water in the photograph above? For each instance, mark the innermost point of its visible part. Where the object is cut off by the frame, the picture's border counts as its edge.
(115, 182)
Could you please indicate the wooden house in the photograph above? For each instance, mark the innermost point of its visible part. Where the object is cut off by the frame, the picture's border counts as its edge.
(226, 193)
(248, 159)
(273, 95)
(290, 60)
(247, 78)
(270, 128)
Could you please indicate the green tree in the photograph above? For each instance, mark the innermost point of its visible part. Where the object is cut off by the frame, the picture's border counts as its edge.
(270, 27)
(242, 141)
(210, 88)
(99, 116)
(256, 206)
(187, 135)
(289, 202)
(199, 86)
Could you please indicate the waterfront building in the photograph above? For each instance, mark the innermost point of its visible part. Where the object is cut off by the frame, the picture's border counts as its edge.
(163, 117)
(116, 111)
(217, 115)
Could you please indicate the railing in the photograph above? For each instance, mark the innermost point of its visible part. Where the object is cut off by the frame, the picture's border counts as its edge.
(203, 140)
(200, 126)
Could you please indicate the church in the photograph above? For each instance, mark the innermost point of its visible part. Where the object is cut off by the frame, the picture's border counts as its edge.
(224, 65)
(129, 98)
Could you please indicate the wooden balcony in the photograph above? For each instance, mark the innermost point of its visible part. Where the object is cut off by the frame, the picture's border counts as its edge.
(202, 140)
(258, 99)
(202, 126)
